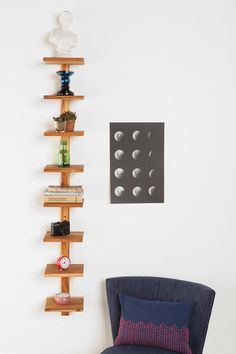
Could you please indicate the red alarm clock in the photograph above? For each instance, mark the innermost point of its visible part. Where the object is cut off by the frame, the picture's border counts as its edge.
(63, 262)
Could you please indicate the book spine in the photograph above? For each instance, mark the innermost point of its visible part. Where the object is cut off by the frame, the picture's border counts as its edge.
(62, 194)
(65, 189)
(65, 199)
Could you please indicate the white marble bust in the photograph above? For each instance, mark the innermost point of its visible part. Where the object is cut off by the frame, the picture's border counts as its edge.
(63, 39)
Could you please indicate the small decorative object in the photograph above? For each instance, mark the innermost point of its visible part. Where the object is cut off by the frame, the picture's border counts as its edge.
(63, 39)
(60, 228)
(66, 121)
(60, 123)
(69, 118)
(63, 197)
(137, 162)
(65, 83)
(62, 298)
(63, 262)
(63, 155)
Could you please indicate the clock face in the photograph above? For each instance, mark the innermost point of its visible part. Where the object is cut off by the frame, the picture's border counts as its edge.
(63, 262)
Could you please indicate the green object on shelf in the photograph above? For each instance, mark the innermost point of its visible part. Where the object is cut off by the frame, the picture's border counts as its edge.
(63, 155)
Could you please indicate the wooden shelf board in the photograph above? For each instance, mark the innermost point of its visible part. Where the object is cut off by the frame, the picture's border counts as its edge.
(63, 205)
(74, 270)
(65, 98)
(76, 305)
(62, 60)
(56, 133)
(72, 168)
(74, 236)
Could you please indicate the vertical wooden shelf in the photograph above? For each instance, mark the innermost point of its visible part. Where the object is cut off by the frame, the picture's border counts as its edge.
(77, 303)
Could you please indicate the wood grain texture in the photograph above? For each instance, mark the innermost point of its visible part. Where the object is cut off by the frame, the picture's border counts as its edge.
(62, 134)
(65, 67)
(64, 98)
(61, 61)
(74, 236)
(65, 285)
(72, 168)
(63, 205)
(65, 213)
(76, 304)
(65, 182)
(65, 106)
(74, 270)
(65, 249)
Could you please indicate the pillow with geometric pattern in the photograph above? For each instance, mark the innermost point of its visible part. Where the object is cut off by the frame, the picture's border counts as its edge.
(154, 323)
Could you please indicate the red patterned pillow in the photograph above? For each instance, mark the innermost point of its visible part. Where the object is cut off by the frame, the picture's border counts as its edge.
(155, 323)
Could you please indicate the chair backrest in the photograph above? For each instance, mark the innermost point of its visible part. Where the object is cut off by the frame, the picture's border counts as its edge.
(164, 289)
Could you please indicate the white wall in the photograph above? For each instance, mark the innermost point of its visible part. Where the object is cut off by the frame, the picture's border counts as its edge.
(153, 60)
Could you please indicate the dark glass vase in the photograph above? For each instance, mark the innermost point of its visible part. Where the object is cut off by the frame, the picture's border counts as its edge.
(65, 83)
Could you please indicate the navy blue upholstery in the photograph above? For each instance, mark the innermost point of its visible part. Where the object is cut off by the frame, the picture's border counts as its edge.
(135, 349)
(162, 289)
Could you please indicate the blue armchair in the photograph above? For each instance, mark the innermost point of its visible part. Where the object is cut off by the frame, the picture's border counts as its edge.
(162, 289)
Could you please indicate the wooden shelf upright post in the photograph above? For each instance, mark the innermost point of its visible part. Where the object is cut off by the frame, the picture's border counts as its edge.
(65, 212)
(76, 302)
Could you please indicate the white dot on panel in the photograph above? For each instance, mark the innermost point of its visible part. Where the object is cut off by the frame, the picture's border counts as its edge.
(119, 191)
(150, 153)
(136, 172)
(119, 154)
(119, 172)
(137, 191)
(151, 190)
(136, 135)
(149, 135)
(118, 135)
(136, 154)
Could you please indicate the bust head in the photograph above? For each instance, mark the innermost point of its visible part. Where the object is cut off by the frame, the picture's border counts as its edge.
(65, 19)
(62, 37)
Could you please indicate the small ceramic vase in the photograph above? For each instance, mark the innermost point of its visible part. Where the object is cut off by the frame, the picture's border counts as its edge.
(62, 298)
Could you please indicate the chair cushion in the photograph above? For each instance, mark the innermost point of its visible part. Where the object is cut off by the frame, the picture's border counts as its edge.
(154, 323)
(136, 349)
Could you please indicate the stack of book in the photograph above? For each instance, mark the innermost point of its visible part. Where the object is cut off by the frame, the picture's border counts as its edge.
(58, 194)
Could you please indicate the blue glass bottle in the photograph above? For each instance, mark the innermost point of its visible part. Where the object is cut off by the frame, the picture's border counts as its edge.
(65, 83)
